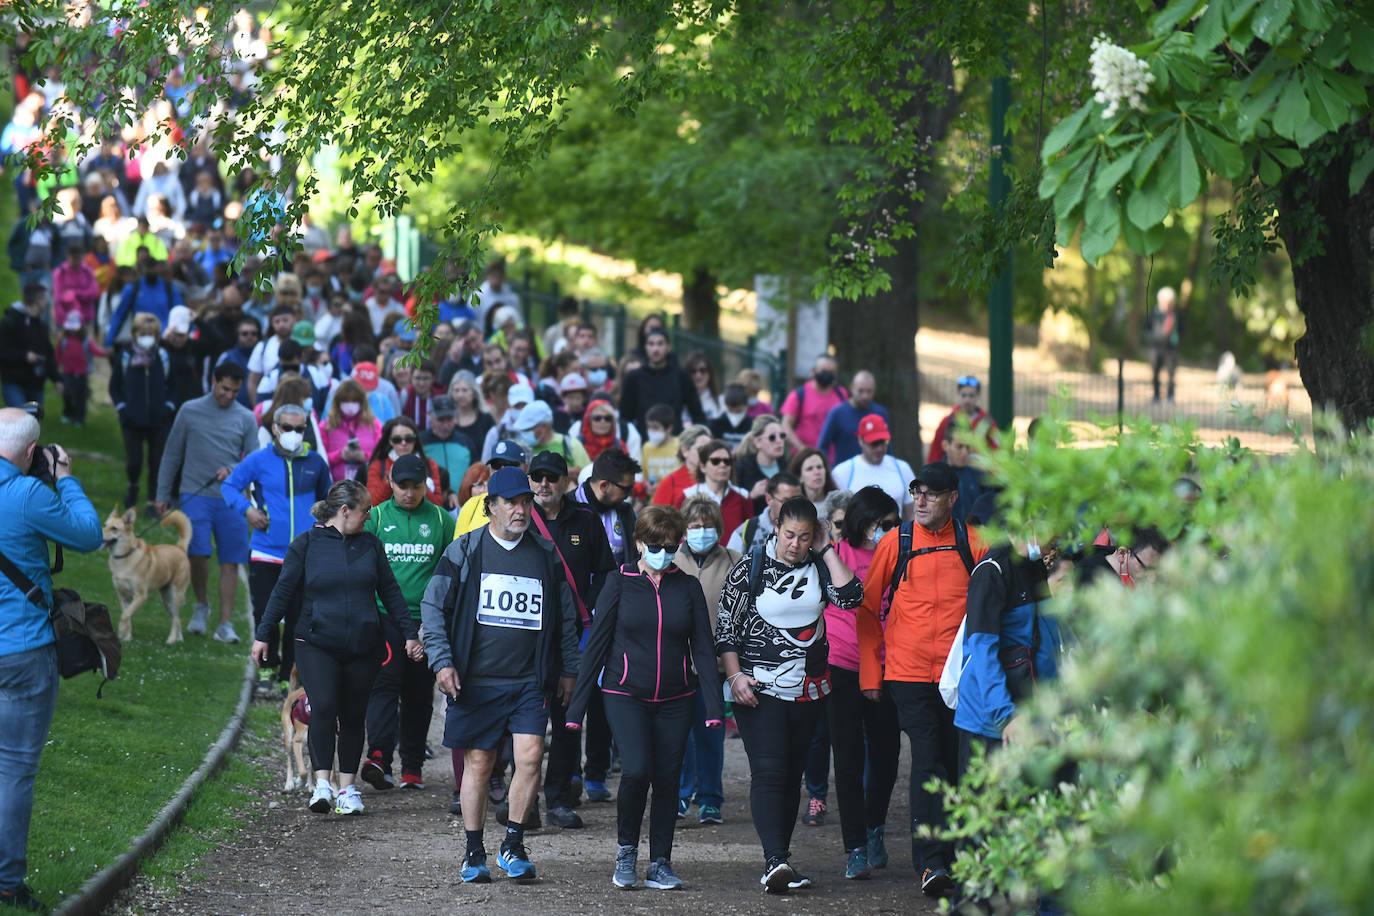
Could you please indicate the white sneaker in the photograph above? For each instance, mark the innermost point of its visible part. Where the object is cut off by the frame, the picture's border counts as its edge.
(199, 617)
(323, 797)
(225, 633)
(348, 801)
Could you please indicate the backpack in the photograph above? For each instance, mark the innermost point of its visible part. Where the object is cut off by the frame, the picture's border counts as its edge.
(800, 392)
(905, 555)
(756, 574)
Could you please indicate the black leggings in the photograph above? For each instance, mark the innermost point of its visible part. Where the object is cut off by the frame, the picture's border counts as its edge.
(856, 724)
(652, 738)
(135, 437)
(777, 735)
(402, 695)
(338, 686)
(929, 724)
(262, 578)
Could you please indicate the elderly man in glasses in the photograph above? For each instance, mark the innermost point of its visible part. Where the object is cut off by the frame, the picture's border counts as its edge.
(979, 420)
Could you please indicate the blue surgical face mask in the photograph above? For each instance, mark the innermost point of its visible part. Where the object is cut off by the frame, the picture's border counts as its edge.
(528, 437)
(879, 531)
(657, 558)
(1033, 549)
(596, 377)
(701, 540)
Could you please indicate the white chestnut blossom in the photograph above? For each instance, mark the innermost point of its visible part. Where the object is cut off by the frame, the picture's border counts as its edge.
(1118, 76)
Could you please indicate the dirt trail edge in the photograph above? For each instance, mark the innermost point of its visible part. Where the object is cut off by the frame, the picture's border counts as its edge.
(403, 853)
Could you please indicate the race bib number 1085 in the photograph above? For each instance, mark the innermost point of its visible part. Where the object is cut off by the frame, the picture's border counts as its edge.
(511, 601)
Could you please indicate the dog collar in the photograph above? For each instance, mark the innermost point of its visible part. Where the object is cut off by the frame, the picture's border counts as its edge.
(120, 556)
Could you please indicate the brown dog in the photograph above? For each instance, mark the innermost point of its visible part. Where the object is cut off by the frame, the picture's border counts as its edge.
(295, 726)
(139, 568)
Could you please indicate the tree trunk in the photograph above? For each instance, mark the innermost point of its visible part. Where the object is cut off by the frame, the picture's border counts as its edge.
(700, 307)
(878, 333)
(1335, 288)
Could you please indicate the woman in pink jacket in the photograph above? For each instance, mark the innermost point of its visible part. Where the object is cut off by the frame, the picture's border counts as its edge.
(861, 726)
(350, 430)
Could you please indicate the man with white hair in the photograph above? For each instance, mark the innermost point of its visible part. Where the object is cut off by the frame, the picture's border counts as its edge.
(36, 514)
(1164, 327)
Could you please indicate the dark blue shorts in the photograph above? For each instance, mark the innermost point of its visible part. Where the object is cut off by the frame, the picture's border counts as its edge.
(212, 515)
(482, 715)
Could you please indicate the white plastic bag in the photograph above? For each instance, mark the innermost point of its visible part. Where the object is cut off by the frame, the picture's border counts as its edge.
(953, 670)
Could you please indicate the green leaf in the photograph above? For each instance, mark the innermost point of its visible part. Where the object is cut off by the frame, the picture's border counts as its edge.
(1293, 111)
(1361, 47)
(1315, 14)
(1143, 241)
(1189, 177)
(1256, 107)
(1173, 14)
(1146, 206)
(1269, 170)
(1309, 133)
(1150, 154)
(1101, 227)
(1075, 183)
(1329, 109)
(1060, 135)
(1110, 175)
(1272, 16)
(1209, 32)
(1359, 171)
(1223, 156)
(1286, 155)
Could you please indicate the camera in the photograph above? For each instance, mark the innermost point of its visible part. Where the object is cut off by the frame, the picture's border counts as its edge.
(40, 468)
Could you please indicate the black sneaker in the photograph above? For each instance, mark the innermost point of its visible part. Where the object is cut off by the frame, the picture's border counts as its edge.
(455, 806)
(937, 882)
(22, 898)
(376, 775)
(777, 876)
(564, 818)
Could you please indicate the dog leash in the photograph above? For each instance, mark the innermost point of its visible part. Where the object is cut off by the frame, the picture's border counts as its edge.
(175, 505)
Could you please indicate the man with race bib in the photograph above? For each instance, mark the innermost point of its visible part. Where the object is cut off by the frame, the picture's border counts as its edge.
(501, 635)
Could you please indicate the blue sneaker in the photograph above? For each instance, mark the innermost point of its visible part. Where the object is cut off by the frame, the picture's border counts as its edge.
(597, 791)
(516, 861)
(475, 869)
(710, 814)
(683, 806)
(856, 868)
(877, 850)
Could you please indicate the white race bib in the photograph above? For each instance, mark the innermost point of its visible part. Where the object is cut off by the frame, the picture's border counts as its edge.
(511, 601)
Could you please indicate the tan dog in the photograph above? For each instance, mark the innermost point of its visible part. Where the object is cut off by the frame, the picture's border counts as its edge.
(295, 726)
(139, 568)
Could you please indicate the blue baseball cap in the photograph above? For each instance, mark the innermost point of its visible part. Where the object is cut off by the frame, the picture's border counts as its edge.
(508, 451)
(508, 483)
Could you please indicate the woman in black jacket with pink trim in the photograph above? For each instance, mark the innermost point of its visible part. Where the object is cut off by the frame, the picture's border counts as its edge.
(650, 631)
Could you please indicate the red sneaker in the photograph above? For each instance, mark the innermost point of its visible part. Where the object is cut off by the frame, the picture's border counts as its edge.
(412, 781)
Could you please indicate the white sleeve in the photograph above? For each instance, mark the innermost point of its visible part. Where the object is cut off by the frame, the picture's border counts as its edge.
(255, 358)
(907, 475)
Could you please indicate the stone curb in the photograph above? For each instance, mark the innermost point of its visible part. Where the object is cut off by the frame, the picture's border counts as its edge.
(102, 887)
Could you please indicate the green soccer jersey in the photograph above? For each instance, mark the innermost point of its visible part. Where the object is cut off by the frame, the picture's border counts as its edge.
(414, 541)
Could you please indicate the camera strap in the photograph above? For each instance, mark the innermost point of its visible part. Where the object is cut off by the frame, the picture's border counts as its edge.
(22, 582)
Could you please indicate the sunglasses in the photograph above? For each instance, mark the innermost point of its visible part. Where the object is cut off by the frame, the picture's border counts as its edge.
(719, 462)
(966, 381)
(399, 440)
(773, 438)
(292, 429)
(602, 418)
(545, 477)
(666, 549)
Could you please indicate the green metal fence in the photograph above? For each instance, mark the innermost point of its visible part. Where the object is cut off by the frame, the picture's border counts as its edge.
(729, 358)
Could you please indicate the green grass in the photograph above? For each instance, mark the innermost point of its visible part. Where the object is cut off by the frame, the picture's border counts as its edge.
(111, 764)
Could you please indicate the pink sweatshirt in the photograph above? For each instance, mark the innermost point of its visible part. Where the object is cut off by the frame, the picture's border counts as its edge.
(73, 290)
(335, 440)
(841, 627)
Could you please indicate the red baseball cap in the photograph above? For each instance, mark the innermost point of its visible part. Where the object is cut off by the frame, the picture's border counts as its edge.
(873, 428)
(321, 256)
(365, 374)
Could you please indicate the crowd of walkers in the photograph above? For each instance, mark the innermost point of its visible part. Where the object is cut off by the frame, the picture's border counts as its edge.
(627, 558)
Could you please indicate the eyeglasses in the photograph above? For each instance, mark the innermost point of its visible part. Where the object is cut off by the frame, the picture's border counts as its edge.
(968, 381)
(545, 477)
(720, 462)
(921, 493)
(602, 418)
(400, 440)
(292, 429)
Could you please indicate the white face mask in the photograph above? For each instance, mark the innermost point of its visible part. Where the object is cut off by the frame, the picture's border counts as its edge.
(350, 408)
(290, 442)
(145, 341)
(656, 436)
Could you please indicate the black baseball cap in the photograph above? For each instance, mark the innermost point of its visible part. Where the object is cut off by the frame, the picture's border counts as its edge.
(409, 468)
(442, 406)
(939, 476)
(550, 463)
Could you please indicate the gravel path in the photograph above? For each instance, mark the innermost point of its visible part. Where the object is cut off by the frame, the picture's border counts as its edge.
(404, 853)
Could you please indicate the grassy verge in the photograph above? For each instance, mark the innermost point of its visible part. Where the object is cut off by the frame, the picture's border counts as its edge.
(111, 764)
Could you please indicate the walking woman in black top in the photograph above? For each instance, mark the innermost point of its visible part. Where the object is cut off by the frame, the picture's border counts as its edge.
(336, 571)
(651, 629)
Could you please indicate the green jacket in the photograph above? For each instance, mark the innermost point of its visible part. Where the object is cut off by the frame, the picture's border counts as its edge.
(414, 541)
